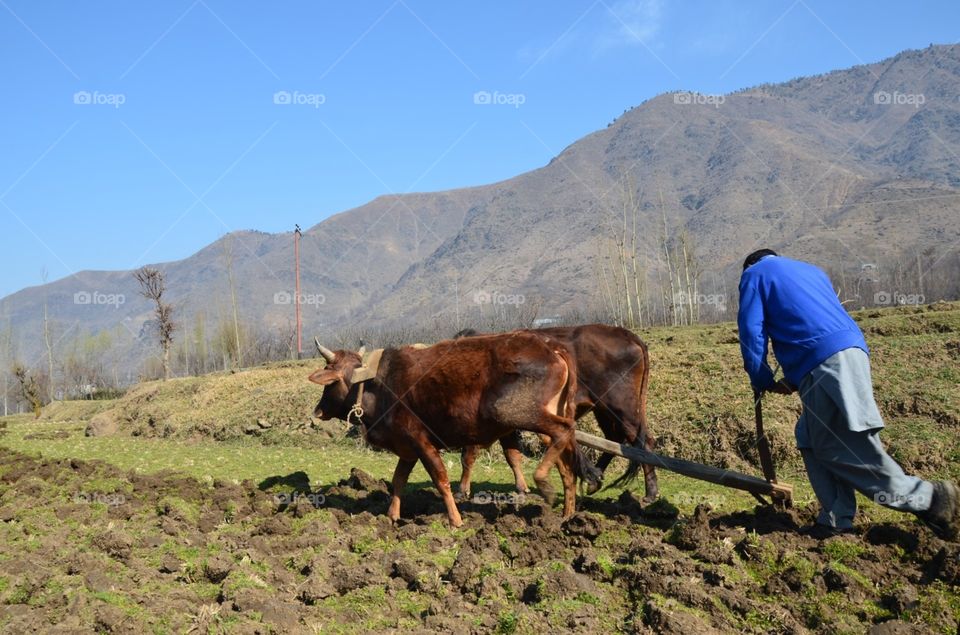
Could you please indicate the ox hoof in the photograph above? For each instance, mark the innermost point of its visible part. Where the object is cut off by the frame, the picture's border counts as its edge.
(461, 496)
(593, 486)
(548, 493)
(649, 499)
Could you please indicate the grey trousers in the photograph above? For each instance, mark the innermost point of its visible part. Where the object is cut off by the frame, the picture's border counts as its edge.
(838, 436)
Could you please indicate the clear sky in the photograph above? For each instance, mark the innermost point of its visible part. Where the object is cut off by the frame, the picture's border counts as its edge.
(135, 132)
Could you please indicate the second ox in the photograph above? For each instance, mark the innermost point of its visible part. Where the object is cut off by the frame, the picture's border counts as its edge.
(416, 402)
(613, 371)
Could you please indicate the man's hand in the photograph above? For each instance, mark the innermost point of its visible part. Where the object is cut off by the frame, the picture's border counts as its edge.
(782, 387)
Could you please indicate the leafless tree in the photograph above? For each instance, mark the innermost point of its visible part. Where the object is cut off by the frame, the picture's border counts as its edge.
(622, 279)
(7, 356)
(46, 338)
(152, 287)
(29, 388)
(228, 260)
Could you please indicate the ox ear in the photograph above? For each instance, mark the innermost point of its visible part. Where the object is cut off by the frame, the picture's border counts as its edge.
(325, 377)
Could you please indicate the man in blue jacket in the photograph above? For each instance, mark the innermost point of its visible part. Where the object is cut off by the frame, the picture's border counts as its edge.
(823, 354)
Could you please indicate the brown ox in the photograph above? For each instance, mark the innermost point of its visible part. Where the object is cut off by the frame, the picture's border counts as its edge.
(613, 370)
(415, 402)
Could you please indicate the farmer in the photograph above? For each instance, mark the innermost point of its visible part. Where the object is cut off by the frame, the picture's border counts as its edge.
(823, 353)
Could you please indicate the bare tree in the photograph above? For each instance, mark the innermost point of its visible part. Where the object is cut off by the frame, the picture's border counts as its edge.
(7, 356)
(29, 388)
(152, 287)
(623, 281)
(670, 297)
(46, 337)
(228, 258)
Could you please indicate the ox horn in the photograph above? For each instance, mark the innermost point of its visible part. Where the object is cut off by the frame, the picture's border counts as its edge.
(326, 352)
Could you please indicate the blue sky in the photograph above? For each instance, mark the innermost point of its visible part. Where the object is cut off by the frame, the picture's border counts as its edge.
(134, 133)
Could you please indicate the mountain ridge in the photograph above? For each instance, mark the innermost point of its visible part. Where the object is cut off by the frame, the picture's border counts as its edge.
(843, 168)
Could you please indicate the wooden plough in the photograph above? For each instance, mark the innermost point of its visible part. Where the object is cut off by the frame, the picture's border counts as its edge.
(781, 494)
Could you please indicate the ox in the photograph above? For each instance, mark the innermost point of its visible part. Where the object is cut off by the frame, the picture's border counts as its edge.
(417, 401)
(613, 371)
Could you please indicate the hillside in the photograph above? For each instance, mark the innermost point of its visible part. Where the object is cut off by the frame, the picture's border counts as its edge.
(844, 169)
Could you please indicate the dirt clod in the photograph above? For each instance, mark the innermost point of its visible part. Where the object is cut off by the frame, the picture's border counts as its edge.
(360, 480)
(170, 564)
(582, 524)
(217, 568)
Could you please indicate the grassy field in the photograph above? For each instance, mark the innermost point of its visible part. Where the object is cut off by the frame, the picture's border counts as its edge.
(700, 409)
(249, 433)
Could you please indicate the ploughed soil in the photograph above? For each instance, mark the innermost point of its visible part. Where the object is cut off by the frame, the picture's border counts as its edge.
(87, 547)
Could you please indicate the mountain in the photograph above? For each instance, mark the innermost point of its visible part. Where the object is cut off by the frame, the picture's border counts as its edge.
(844, 169)
(853, 167)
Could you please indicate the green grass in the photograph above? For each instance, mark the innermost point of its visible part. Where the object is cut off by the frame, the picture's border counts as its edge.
(210, 460)
(843, 551)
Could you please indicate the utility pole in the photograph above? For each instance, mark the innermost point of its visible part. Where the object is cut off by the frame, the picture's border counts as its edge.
(456, 295)
(296, 297)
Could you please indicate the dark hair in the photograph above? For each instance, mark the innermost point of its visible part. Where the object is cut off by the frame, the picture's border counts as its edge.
(755, 257)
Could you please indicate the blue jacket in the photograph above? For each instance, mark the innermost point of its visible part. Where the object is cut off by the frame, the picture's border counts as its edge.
(792, 303)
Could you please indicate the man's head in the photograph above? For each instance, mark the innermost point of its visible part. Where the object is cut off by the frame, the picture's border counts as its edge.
(755, 257)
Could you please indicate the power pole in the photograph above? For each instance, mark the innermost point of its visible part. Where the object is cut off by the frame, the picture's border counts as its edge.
(296, 300)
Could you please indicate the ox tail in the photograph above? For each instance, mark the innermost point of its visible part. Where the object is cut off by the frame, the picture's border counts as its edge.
(629, 476)
(583, 468)
(633, 470)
